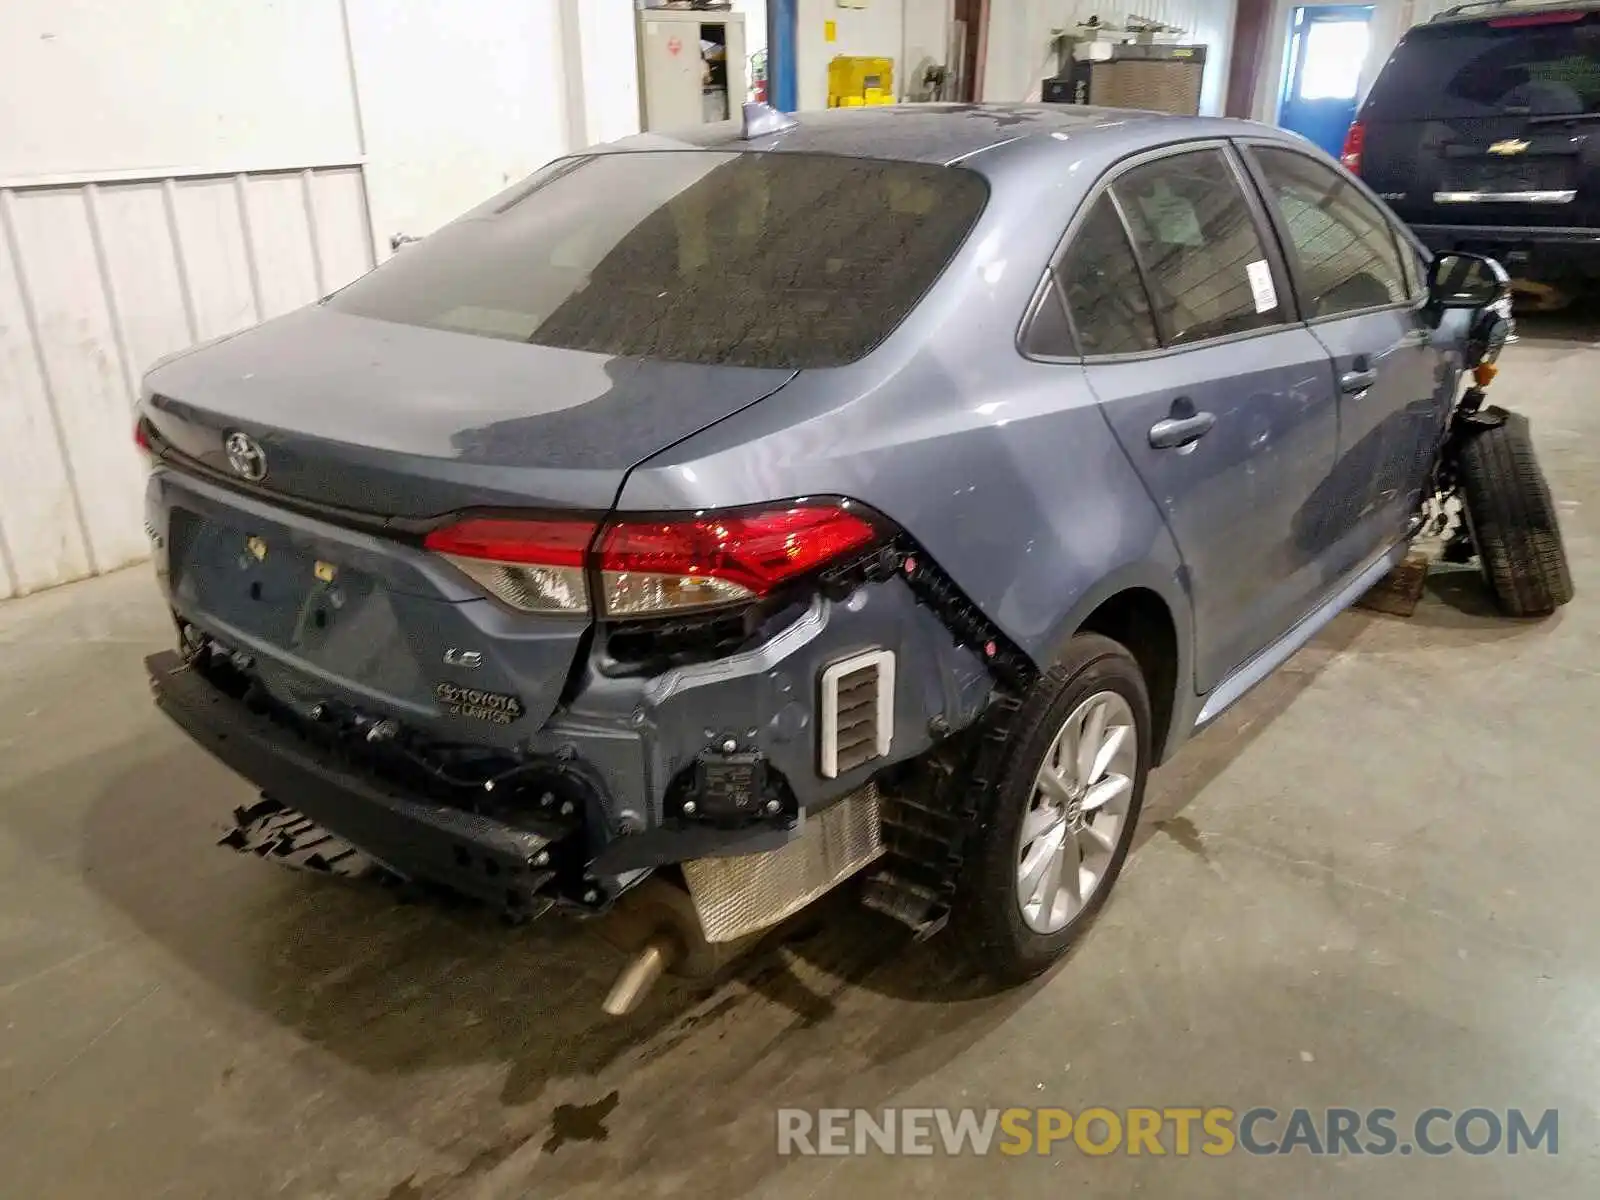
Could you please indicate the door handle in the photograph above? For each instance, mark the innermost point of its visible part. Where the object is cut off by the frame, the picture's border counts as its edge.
(1357, 381)
(1177, 432)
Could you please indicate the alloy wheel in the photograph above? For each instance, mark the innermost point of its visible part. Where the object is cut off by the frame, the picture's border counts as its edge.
(1077, 813)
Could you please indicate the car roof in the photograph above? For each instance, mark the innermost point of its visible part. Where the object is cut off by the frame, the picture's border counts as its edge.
(1490, 10)
(943, 133)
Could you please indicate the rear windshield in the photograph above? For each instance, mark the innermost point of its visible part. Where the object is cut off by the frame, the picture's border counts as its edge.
(1505, 66)
(762, 260)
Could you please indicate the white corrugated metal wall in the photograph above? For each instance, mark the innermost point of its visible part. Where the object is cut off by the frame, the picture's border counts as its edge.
(169, 172)
(97, 280)
(172, 171)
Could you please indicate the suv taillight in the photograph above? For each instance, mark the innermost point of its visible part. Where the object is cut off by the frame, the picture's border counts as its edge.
(1527, 20)
(1354, 139)
(652, 566)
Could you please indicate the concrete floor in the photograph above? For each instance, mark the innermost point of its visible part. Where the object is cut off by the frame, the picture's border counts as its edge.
(1372, 884)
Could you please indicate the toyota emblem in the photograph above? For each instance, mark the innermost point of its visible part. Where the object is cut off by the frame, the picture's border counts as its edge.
(246, 456)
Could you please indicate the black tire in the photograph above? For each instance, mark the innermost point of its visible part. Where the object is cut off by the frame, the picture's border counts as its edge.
(987, 915)
(1512, 519)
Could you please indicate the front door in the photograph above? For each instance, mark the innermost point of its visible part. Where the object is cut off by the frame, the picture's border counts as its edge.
(1358, 282)
(1224, 407)
(1326, 49)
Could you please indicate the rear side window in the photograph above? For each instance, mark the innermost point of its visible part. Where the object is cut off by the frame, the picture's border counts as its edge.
(1545, 64)
(1049, 335)
(1100, 282)
(748, 259)
(1207, 269)
(1342, 246)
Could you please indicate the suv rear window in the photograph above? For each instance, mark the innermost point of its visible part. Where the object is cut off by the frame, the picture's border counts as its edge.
(762, 260)
(1506, 65)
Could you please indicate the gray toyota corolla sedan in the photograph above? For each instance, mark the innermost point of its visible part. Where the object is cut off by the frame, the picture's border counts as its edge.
(707, 520)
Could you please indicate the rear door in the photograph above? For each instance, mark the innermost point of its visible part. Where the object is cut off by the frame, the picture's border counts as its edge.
(1359, 300)
(1490, 122)
(1222, 401)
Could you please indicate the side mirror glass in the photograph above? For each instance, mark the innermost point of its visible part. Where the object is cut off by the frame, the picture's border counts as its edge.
(1459, 280)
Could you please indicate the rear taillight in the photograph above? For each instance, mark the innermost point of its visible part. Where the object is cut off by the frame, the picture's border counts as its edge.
(141, 439)
(1527, 20)
(1354, 139)
(694, 562)
(534, 565)
(649, 567)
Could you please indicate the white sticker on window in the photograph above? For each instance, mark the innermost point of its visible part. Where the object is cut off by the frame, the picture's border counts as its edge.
(1266, 296)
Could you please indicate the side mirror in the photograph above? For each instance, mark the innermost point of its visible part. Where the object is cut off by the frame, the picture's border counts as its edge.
(1459, 280)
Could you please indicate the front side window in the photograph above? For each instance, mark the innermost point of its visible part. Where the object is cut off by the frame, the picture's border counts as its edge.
(1208, 271)
(1344, 250)
(1100, 282)
(759, 260)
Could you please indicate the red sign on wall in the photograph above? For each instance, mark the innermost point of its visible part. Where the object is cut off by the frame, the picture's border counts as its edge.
(674, 46)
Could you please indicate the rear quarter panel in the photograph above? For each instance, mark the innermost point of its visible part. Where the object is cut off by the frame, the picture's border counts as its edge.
(1002, 468)
(1012, 482)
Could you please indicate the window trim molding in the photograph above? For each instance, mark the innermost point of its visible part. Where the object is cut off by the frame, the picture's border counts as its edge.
(1412, 302)
(1407, 305)
(1226, 339)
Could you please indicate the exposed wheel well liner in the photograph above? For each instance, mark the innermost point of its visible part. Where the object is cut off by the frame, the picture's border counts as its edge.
(1139, 619)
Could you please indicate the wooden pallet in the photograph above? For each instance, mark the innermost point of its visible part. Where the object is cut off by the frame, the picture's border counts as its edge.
(1398, 592)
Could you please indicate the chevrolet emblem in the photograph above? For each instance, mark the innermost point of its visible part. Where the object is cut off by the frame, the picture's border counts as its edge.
(1508, 147)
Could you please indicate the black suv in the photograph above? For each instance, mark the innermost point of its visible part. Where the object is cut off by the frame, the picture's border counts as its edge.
(1483, 132)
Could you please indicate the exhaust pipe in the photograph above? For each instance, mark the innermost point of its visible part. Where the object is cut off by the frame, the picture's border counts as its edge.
(639, 976)
(657, 924)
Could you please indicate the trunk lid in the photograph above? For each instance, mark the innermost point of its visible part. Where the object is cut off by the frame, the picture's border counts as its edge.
(402, 421)
(1492, 121)
(365, 624)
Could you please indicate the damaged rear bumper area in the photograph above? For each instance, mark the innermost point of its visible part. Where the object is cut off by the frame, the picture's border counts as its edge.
(506, 866)
(759, 773)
